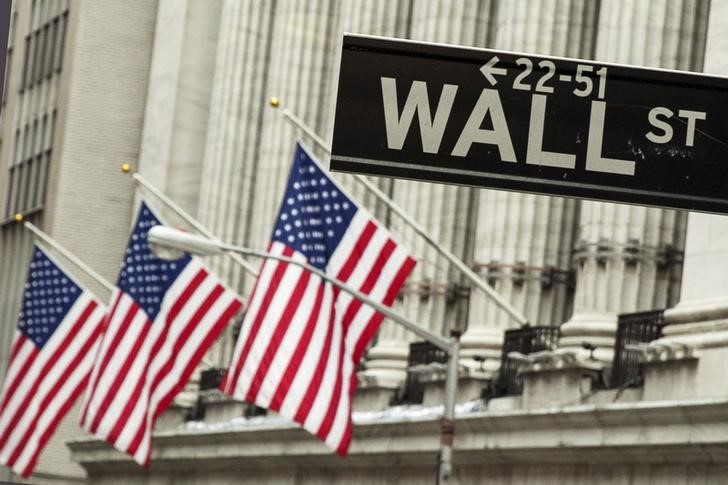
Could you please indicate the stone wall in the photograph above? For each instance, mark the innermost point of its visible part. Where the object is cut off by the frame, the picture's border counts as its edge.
(619, 443)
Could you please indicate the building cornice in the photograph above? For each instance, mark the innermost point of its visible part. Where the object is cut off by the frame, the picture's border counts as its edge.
(694, 431)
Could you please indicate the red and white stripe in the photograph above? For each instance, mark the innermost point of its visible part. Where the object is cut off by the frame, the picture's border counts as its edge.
(302, 338)
(142, 365)
(42, 384)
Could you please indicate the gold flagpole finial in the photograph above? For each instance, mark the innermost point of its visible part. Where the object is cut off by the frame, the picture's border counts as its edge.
(19, 217)
(275, 102)
(125, 167)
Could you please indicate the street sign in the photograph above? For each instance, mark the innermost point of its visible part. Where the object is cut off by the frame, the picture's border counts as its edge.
(532, 123)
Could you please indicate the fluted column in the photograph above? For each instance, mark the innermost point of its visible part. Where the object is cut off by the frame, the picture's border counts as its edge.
(178, 98)
(628, 257)
(386, 362)
(175, 120)
(372, 17)
(232, 150)
(300, 63)
(523, 241)
(432, 297)
(236, 111)
(700, 320)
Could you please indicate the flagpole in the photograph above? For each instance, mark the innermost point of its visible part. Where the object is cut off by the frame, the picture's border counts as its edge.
(437, 340)
(447, 423)
(191, 220)
(76, 261)
(191, 243)
(67, 254)
(464, 268)
(194, 244)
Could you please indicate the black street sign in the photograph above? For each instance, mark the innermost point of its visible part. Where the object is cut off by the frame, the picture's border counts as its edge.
(532, 123)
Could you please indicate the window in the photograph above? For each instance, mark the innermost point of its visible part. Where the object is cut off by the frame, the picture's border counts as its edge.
(31, 153)
(44, 46)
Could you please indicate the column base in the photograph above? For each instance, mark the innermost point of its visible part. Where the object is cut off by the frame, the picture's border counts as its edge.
(480, 352)
(470, 388)
(698, 331)
(173, 418)
(699, 323)
(386, 365)
(373, 394)
(558, 378)
(220, 408)
(595, 328)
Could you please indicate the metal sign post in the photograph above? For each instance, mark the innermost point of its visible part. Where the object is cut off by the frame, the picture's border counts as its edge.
(531, 123)
(182, 241)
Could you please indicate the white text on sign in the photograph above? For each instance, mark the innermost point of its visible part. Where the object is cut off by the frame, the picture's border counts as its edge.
(433, 123)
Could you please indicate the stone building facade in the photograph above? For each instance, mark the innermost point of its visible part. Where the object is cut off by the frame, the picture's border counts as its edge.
(75, 93)
(179, 88)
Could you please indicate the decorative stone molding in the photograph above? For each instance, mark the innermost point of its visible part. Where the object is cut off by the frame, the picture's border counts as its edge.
(689, 359)
(664, 351)
(220, 407)
(647, 435)
(425, 289)
(480, 351)
(699, 323)
(386, 362)
(556, 377)
(631, 252)
(520, 273)
(553, 360)
(593, 327)
(697, 310)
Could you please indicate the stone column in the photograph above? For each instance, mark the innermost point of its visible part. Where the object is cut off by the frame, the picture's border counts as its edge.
(431, 297)
(300, 63)
(700, 320)
(232, 148)
(628, 257)
(175, 121)
(523, 241)
(373, 17)
(178, 98)
(387, 361)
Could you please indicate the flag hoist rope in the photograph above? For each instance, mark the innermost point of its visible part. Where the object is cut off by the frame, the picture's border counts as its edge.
(464, 268)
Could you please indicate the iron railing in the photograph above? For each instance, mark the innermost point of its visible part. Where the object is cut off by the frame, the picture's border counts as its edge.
(633, 329)
(525, 340)
(211, 378)
(421, 354)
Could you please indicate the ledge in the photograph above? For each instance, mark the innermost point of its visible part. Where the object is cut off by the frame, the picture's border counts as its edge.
(631, 432)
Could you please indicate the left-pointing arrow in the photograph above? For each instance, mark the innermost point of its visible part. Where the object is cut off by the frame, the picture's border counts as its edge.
(489, 70)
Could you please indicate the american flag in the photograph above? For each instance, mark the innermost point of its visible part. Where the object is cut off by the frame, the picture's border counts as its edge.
(164, 316)
(51, 356)
(302, 338)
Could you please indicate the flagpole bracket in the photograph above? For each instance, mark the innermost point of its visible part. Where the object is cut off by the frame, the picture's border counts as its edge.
(447, 423)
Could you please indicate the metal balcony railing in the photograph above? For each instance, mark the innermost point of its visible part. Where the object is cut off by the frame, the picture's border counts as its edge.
(633, 329)
(525, 340)
(423, 358)
(211, 378)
